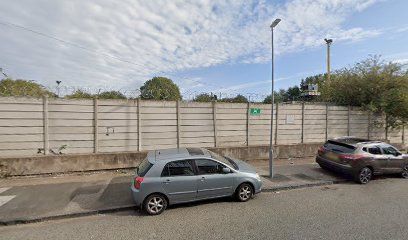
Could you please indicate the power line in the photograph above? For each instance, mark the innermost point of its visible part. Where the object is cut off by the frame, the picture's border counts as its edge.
(9, 24)
(1, 70)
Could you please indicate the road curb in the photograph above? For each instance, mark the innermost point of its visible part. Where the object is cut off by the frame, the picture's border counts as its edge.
(132, 207)
(68, 215)
(303, 185)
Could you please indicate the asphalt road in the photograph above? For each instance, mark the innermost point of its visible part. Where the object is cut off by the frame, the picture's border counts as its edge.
(345, 211)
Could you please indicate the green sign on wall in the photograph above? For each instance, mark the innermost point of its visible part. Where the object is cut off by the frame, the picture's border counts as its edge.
(255, 111)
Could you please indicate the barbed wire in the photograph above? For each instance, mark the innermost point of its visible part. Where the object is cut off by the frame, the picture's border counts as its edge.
(26, 90)
(78, 92)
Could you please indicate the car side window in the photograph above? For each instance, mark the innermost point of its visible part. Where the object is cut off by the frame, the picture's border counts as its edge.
(178, 168)
(388, 150)
(206, 166)
(374, 150)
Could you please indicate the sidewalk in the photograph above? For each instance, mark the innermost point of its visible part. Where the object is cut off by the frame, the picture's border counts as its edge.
(28, 199)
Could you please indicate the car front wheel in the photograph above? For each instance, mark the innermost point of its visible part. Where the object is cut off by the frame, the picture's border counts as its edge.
(364, 176)
(405, 172)
(244, 192)
(155, 204)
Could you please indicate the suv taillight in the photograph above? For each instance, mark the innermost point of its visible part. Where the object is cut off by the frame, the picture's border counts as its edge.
(350, 157)
(321, 150)
(138, 182)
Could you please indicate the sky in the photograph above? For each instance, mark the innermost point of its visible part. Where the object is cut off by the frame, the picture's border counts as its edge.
(222, 47)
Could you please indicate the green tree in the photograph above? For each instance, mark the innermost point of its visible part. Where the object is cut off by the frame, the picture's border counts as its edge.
(80, 94)
(278, 97)
(237, 99)
(205, 97)
(111, 95)
(160, 88)
(374, 85)
(21, 88)
(292, 94)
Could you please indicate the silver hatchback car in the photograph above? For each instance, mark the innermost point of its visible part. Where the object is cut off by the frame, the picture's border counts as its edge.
(181, 175)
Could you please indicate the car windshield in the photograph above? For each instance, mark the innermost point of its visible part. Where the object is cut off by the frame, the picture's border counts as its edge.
(226, 160)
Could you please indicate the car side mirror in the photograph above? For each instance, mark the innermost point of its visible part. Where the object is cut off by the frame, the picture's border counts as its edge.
(226, 170)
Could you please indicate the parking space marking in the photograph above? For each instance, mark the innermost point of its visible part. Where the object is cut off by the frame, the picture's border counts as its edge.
(4, 189)
(5, 199)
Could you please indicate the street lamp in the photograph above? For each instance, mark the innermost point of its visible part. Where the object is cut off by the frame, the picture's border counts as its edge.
(273, 25)
(328, 43)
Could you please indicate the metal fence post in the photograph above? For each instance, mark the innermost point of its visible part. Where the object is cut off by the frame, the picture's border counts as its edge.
(139, 126)
(96, 126)
(46, 124)
(215, 122)
(178, 122)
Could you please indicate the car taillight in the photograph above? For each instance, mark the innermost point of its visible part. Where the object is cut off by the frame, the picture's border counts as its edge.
(138, 181)
(350, 157)
(321, 150)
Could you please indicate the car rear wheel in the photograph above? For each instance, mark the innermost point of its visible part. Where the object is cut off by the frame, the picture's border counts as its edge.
(244, 192)
(155, 204)
(364, 176)
(405, 172)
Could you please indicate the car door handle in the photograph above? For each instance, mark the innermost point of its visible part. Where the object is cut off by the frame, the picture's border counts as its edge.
(202, 179)
(167, 181)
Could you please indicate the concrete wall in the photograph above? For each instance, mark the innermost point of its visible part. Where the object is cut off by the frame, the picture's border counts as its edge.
(30, 127)
(17, 166)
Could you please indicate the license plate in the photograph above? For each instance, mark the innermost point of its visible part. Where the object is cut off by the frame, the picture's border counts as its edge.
(332, 156)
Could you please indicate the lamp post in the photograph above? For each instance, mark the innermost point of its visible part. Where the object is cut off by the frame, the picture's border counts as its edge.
(273, 25)
(328, 43)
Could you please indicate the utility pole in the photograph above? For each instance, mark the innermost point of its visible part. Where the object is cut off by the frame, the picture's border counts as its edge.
(273, 25)
(328, 43)
(58, 87)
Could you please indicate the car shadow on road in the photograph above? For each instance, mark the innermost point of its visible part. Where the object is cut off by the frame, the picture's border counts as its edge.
(115, 194)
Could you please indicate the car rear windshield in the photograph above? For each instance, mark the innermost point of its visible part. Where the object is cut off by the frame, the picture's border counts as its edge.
(339, 147)
(143, 168)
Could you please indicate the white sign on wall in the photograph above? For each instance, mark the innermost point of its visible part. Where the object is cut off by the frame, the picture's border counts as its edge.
(290, 119)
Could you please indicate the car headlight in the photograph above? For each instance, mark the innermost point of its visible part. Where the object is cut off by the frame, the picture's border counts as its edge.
(257, 177)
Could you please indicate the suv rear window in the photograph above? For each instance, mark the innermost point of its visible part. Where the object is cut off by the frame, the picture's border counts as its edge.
(372, 150)
(339, 147)
(143, 168)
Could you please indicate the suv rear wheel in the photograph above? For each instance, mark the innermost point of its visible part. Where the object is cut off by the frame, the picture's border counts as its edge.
(155, 204)
(364, 176)
(405, 172)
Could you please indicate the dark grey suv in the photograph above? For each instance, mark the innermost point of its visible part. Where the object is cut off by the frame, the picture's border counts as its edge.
(362, 158)
(189, 174)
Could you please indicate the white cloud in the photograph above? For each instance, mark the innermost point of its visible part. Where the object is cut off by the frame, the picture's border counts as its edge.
(129, 41)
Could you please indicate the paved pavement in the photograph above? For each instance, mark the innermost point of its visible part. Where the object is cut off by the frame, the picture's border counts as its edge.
(343, 211)
(40, 198)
